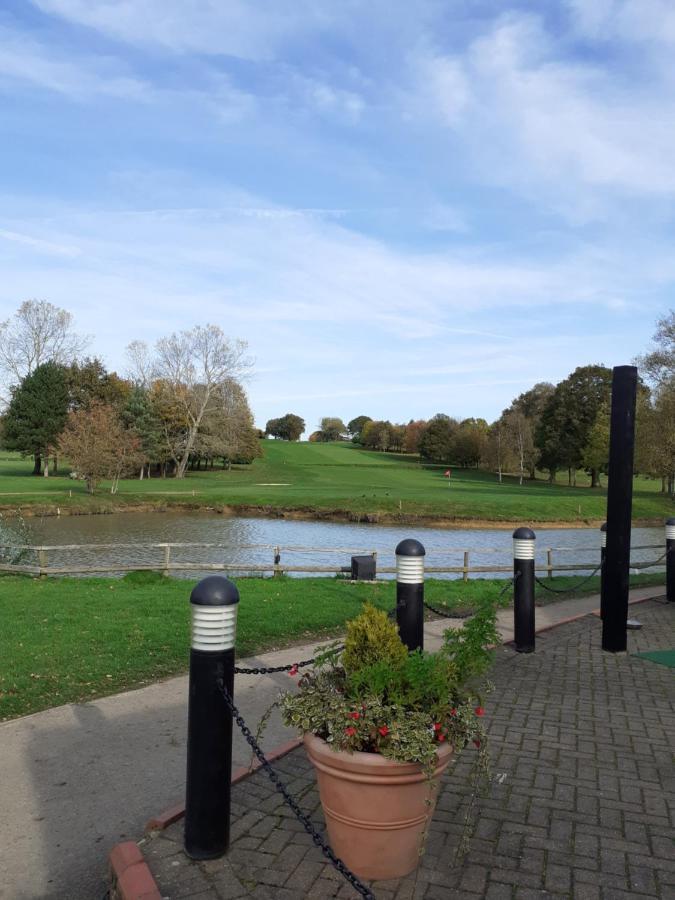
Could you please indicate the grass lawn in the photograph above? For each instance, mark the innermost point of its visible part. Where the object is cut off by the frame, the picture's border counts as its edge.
(69, 640)
(340, 480)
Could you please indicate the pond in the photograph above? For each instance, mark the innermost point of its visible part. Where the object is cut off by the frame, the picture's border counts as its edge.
(251, 541)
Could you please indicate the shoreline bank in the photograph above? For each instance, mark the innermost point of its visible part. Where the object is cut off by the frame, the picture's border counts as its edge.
(311, 514)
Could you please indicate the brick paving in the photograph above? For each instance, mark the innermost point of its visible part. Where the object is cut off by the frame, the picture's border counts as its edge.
(581, 803)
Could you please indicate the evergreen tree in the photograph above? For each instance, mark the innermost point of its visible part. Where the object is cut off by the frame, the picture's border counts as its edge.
(37, 413)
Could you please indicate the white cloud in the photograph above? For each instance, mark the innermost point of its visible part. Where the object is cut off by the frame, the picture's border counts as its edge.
(29, 61)
(530, 116)
(234, 27)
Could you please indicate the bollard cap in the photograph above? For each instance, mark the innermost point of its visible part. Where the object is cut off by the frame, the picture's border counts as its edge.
(410, 547)
(215, 591)
(670, 521)
(603, 527)
(524, 534)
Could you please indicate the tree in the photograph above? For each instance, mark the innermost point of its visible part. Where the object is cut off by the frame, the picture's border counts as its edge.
(530, 405)
(140, 415)
(469, 442)
(377, 435)
(595, 455)
(658, 365)
(332, 428)
(435, 443)
(37, 333)
(90, 380)
(191, 366)
(519, 440)
(355, 427)
(37, 413)
(287, 428)
(413, 433)
(568, 417)
(228, 431)
(98, 445)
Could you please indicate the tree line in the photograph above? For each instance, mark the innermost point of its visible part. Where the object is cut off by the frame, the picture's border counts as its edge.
(551, 428)
(181, 406)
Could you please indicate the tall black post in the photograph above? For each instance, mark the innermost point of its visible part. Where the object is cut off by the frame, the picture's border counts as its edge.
(603, 559)
(619, 508)
(209, 746)
(410, 593)
(670, 560)
(523, 589)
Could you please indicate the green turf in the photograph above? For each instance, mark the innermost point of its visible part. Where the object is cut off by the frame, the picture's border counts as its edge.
(340, 480)
(663, 657)
(67, 639)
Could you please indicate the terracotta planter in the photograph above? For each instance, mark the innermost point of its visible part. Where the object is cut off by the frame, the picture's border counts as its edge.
(375, 808)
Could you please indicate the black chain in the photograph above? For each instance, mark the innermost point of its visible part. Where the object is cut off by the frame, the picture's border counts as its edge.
(568, 590)
(447, 615)
(318, 841)
(271, 670)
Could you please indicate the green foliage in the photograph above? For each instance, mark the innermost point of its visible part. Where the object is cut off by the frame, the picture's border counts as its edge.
(435, 443)
(288, 427)
(37, 411)
(380, 699)
(372, 638)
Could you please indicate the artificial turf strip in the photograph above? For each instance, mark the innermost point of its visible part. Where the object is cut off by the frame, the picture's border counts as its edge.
(663, 657)
(66, 640)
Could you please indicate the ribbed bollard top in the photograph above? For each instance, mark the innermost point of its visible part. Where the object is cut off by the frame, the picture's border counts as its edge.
(523, 543)
(670, 529)
(603, 534)
(215, 601)
(410, 562)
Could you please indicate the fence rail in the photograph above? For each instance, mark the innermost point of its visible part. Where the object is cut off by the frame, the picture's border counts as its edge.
(164, 559)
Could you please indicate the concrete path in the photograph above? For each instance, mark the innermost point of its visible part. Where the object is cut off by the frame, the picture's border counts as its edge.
(79, 778)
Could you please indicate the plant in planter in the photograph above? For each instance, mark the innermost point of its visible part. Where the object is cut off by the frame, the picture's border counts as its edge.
(380, 726)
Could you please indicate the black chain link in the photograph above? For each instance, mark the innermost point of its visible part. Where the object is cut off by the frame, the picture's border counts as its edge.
(447, 615)
(270, 670)
(318, 841)
(568, 590)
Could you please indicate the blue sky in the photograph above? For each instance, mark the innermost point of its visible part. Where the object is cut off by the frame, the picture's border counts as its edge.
(404, 208)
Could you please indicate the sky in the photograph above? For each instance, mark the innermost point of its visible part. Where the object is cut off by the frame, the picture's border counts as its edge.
(404, 208)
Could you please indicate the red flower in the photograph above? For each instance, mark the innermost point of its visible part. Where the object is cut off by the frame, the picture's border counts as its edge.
(479, 711)
(453, 712)
(384, 730)
(441, 738)
(437, 726)
(354, 715)
(476, 742)
(350, 731)
(293, 670)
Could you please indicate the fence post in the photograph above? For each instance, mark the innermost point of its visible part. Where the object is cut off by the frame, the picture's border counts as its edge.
(167, 560)
(410, 593)
(670, 560)
(209, 745)
(277, 560)
(465, 574)
(549, 562)
(603, 557)
(524, 540)
(42, 562)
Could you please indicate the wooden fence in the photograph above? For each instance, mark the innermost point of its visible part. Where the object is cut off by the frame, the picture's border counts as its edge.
(13, 559)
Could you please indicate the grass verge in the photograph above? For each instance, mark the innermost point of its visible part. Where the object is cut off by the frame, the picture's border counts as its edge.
(70, 640)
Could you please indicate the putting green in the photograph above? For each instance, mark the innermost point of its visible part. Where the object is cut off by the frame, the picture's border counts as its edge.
(664, 657)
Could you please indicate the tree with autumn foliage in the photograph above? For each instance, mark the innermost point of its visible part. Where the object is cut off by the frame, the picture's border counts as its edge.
(99, 447)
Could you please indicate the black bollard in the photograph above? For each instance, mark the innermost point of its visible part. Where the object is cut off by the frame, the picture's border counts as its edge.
(523, 589)
(410, 593)
(670, 560)
(619, 508)
(209, 746)
(603, 557)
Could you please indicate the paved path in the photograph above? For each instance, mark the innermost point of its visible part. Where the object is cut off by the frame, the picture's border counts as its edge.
(79, 778)
(581, 805)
